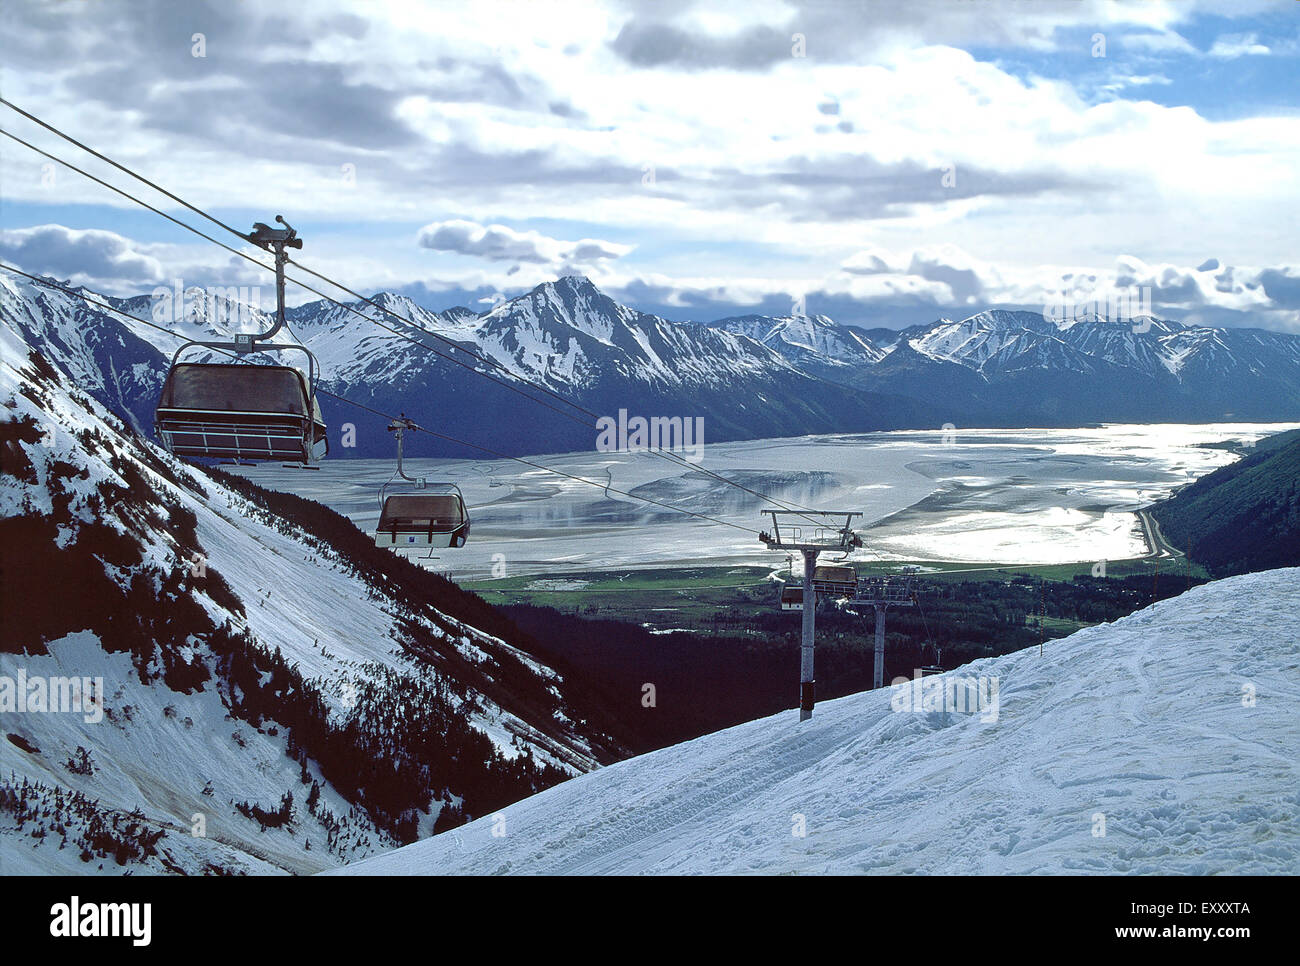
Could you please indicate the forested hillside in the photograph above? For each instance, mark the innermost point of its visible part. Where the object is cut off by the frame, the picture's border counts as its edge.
(1244, 517)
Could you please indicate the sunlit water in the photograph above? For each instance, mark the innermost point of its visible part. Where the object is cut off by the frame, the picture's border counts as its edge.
(998, 496)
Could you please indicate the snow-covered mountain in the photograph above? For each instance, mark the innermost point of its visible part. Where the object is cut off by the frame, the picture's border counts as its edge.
(109, 360)
(814, 343)
(277, 694)
(805, 336)
(565, 336)
(581, 345)
(1162, 743)
(580, 355)
(996, 342)
(1027, 367)
(976, 340)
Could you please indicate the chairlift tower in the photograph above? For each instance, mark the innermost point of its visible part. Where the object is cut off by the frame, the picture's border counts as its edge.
(881, 593)
(810, 541)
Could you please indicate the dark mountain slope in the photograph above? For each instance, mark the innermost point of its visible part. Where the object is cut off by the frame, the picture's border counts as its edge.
(1244, 517)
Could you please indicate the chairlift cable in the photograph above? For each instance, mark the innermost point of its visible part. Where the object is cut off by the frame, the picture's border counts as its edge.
(488, 360)
(672, 457)
(103, 157)
(234, 231)
(301, 284)
(377, 412)
(928, 636)
(216, 221)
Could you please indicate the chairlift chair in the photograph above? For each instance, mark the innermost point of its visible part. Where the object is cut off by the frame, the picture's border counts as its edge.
(434, 516)
(831, 581)
(936, 667)
(239, 410)
(791, 597)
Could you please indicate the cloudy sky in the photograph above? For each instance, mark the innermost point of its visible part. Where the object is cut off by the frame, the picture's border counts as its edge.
(889, 162)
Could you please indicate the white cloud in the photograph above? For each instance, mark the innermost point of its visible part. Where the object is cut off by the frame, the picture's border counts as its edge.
(116, 264)
(1230, 46)
(1167, 42)
(872, 261)
(501, 243)
(86, 256)
(1121, 81)
(514, 113)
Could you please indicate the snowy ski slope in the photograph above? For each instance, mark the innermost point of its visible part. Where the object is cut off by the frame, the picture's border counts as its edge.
(1142, 725)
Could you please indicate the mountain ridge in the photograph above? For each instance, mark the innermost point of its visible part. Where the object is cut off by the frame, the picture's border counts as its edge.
(749, 376)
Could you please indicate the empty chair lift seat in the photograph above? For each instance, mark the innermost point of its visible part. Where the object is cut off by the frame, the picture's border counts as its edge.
(791, 598)
(434, 518)
(835, 581)
(244, 412)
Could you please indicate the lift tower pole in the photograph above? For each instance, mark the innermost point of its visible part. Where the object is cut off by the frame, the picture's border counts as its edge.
(839, 538)
(806, 678)
(880, 593)
(878, 662)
